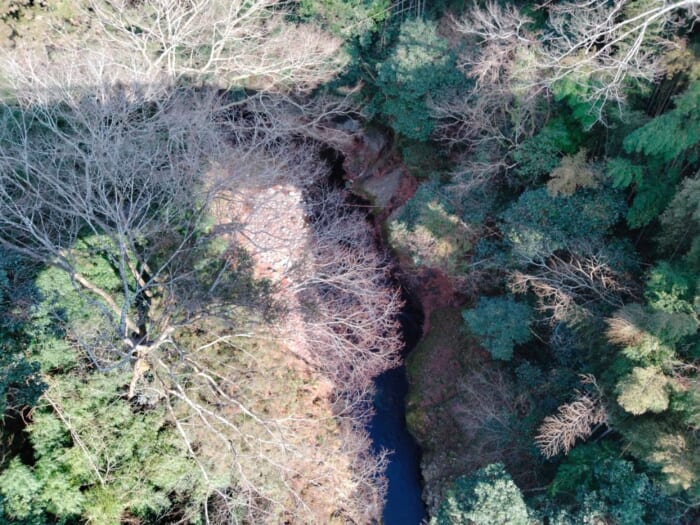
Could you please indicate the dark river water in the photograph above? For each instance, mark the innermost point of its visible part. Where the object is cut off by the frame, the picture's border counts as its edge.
(404, 505)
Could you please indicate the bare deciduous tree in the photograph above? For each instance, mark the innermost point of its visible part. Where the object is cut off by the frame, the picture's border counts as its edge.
(132, 180)
(503, 35)
(161, 43)
(573, 421)
(350, 309)
(237, 43)
(596, 47)
(341, 310)
(603, 46)
(119, 146)
(568, 285)
(113, 172)
(501, 60)
(504, 107)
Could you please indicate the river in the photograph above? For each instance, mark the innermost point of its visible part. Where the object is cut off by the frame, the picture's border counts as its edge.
(388, 430)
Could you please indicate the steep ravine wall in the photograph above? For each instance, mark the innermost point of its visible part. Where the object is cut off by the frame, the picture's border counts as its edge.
(375, 177)
(374, 171)
(459, 404)
(444, 370)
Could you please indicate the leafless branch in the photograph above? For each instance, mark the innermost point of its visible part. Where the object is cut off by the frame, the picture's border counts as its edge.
(568, 284)
(603, 46)
(573, 421)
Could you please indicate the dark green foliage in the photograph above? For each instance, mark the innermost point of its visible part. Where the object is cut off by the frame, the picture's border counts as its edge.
(529, 376)
(539, 224)
(19, 488)
(429, 192)
(421, 158)
(95, 456)
(123, 460)
(595, 482)
(647, 375)
(651, 197)
(673, 136)
(427, 230)
(20, 384)
(657, 377)
(17, 291)
(685, 402)
(345, 18)
(543, 390)
(670, 288)
(671, 453)
(653, 185)
(539, 155)
(219, 280)
(661, 151)
(501, 323)
(576, 93)
(672, 328)
(680, 223)
(667, 327)
(421, 64)
(487, 497)
(621, 125)
(624, 173)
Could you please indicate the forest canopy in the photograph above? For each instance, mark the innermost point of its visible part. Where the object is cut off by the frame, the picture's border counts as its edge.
(194, 304)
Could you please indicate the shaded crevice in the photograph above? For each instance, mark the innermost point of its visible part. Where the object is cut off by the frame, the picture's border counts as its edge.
(388, 428)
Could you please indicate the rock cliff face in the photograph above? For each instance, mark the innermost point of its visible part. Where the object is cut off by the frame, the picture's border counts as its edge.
(375, 173)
